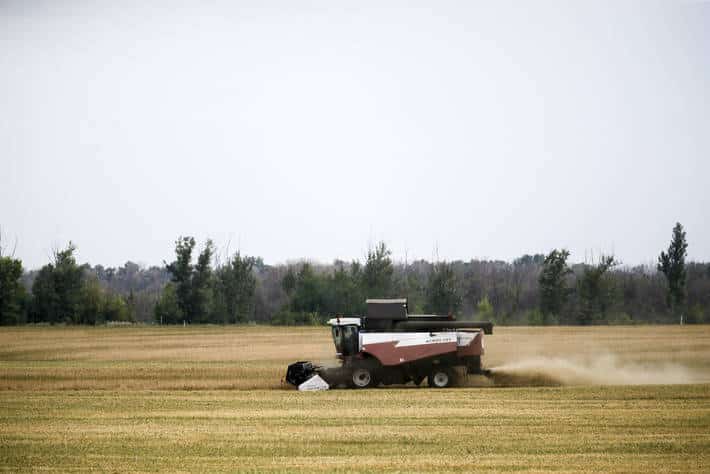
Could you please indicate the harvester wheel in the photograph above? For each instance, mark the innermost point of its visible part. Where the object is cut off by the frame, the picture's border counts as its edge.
(440, 378)
(363, 378)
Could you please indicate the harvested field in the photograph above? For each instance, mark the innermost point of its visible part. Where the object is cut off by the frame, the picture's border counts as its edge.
(209, 399)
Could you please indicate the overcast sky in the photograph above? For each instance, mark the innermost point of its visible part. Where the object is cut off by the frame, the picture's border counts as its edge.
(313, 129)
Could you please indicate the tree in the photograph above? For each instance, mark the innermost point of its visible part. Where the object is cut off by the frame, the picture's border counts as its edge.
(181, 274)
(442, 293)
(413, 285)
(672, 265)
(308, 295)
(57, 289)
(484, 309)
(596, 291)
(343, 294)
(521, 282)
(91, 307)
(44, 296)
(167, 308)
(201, 286)
(553, 291)
(68, 280)
(235, 286)
(12, 293)
(288, 283)
(200, 294)
(115, 308)
(131, 305)
(378, 271)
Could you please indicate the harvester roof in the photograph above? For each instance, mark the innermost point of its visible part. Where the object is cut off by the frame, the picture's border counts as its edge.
(392, 309)
(344, 321)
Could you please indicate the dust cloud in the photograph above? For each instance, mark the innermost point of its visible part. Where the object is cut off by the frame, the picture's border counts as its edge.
(601, 370)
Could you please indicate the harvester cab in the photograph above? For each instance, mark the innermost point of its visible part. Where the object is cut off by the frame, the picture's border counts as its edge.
(346, 336)
(390, 346)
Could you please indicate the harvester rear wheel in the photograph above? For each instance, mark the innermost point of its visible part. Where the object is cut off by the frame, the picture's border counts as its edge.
(363, 378)
(440, 378)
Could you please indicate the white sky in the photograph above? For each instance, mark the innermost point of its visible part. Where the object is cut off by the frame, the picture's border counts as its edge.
(311, 129)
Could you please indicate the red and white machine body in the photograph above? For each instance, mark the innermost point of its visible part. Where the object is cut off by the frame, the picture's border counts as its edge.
(394, 348)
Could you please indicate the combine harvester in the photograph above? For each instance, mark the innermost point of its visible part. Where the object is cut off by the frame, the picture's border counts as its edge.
(389, 346)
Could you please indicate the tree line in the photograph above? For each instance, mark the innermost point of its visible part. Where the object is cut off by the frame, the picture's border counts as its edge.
(202, 286)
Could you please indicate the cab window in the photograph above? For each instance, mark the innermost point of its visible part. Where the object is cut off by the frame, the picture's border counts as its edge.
(338, 338)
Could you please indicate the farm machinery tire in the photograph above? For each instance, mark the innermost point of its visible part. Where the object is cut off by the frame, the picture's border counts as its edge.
(441, 378)
(363, 377)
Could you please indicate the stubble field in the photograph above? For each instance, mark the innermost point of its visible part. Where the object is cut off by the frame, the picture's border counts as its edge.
(624, 399)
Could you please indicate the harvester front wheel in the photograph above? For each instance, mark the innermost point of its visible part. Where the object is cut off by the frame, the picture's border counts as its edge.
(363, 378)
(440, 378)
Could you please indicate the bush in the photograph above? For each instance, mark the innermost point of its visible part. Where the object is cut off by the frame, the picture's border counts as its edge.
(696, 315)
(536, 318)
(297, 318)
(619, 318)
(283, 317)
(484, 309)
(115, 309)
